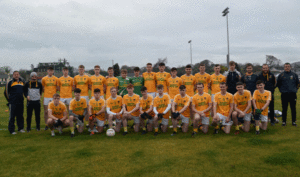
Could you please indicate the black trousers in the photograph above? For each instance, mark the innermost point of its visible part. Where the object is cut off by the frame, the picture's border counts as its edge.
(16, 110)
(271, 108)
(36, 106)
(287, 98)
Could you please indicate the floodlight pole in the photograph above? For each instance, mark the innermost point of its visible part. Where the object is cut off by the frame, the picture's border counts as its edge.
(225, 13)
(190, 42)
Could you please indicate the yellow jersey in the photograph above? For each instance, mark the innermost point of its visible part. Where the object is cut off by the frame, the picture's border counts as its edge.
(261, 99)
(82, 82)
(110, 83)
(201, 102)
(161, 79)
(98, 82)
(115, 105)
(96, 106)
(189, 82)
(215, 82)
(205, 79)
(49, 84)
(150, 81)
(182, 102)
(241, 101)
(146, 103)
(77, 107)
(57, 111)
(66, 86)
(161, 103)
(131, 102)
(223, 103)
(173, 85)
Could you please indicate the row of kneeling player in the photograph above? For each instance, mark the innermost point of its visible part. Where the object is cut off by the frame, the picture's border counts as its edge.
(226, 110)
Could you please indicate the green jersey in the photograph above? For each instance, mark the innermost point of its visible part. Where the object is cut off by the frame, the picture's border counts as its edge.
(123, 85)
(137, 82)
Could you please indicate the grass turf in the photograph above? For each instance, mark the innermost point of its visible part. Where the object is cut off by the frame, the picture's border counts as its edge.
(275, 152)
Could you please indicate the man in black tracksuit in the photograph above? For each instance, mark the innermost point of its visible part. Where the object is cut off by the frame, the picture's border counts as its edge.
(250, 79)
(232, 77)
(32, 92)
(270, 85)
(288, 84)
(14, 92)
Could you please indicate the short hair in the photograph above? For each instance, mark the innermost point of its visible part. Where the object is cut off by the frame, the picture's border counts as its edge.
(96, 90)
(149, 64)
(259, 82)
(265, 65)
(96, 66)
(249, 64)
(50, 68)
(200, 83)
(161, 64)
(239, 83)
(143, 88)
(123, 70)
(223, 83)
(130, 86)
(56, 95)
(136, 69)
(77, 90)
(173, 69)
(109, 68)
(216, 65)
(201, 64)
(287, 64)
(188, 66)
(81, 66)
(66, 68)
(232, 63)
(15, 72)
(113, 88)
(182, 87)
(160, 86)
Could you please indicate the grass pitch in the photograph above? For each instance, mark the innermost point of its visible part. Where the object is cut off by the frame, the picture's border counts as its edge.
(272, 153)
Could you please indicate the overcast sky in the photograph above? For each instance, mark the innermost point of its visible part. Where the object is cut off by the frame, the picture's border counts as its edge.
(136, 32)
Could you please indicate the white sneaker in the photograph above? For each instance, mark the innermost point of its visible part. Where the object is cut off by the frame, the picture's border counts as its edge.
(52, 133)
(95, 130)
(22, 131)
(89, 130)
(14, 133)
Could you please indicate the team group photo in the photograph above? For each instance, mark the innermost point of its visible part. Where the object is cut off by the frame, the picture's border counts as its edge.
(149, 88)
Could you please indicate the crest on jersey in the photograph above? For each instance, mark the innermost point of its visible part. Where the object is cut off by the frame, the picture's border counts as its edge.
(227, 98)
(176, 81)
(205, 98)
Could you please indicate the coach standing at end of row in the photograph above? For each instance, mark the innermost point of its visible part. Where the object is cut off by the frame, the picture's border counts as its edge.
(270, 85)
(288, 84)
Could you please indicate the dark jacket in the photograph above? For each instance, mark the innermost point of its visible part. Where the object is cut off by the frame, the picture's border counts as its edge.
(288, 82)
(15, 90)
(270, 81)
(232, 77)
(33, 90)
(250, 81)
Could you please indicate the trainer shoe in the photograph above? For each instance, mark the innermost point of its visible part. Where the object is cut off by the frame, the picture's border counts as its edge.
(294, 124)
(92, 133)
(257, 132)
(283, 124)
(52, 133)
(194, 134)
(144, 132)
(60, 130)
(28, 131)
(125, 133)
(237, 132)
(72, 135)
(216, 131)
(46, 128)
(14, 133)
(272, 124)
(156, 133)
(37, 129)
(22, 131)
(174, 133)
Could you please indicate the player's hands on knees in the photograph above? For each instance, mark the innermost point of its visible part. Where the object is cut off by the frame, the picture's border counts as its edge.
(242, 114)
